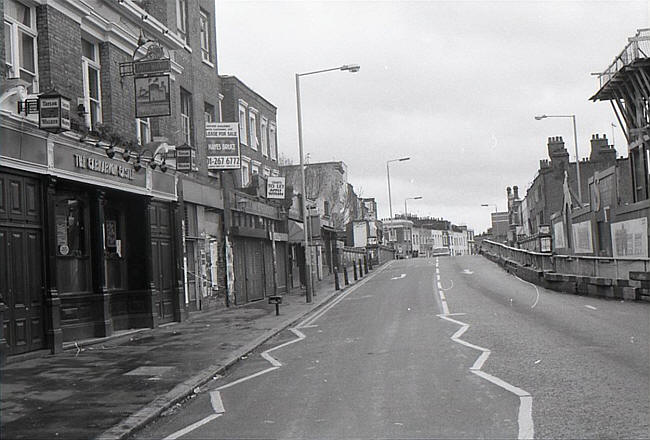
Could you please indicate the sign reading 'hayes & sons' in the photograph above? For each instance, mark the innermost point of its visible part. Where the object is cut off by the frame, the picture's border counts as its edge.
(223, 145)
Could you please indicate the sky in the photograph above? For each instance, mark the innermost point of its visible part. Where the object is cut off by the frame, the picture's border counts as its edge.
(454, 85)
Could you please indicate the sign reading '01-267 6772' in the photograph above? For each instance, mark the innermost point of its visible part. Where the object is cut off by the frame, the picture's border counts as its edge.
(223, 145)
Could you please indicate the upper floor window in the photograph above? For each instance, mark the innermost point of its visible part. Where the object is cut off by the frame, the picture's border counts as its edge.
(245, 171)
(181, 19)
(252, 130)
(143, 130)
(265, 136)
(204, 18)
(91, 82)
(242, 123)
(20, 43)
(272, 142)
(186, 117)
(209, 113)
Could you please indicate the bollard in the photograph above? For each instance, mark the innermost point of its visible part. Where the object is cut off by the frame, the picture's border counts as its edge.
(360, 268)
(370, 263)
(337, 285)
(277, 300)
(365, 264)
(345, 275)
(354, 265)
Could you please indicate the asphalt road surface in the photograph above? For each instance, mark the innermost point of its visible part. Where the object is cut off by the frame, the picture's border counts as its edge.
(452, 347)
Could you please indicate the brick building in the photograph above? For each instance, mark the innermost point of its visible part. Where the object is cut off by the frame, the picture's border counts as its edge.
(100, 230)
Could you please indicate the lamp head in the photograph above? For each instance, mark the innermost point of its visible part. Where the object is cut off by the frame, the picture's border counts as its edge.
(404, 158)
(417, 198)
(539, 118)
(351, 67)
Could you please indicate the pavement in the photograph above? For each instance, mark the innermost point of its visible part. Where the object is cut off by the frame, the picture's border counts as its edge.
(109, 388)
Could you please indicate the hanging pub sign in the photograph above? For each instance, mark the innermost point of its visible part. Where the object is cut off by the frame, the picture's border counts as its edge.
(223, 145)
(275, 187)
(53, 113)
(152, 97)
(185, 158)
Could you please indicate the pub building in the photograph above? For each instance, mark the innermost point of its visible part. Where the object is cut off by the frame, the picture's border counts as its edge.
(87, 241)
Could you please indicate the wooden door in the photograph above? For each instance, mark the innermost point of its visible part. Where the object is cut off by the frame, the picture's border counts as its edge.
(21, 267)
(254, 270)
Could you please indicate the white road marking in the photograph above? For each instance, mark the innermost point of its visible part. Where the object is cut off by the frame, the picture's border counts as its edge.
(192, 427)
(399, 277)
(467, 272)
(525, 414)
(217, 403)
(590, 307)
(536, 291)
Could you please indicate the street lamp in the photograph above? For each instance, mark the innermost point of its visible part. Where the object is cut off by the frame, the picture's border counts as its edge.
(487, 205)
(390, 202)
(409, 198)
(350, 68)
(575, 143)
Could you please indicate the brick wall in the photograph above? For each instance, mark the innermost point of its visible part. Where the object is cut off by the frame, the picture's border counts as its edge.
(118, 95)
(59, 53)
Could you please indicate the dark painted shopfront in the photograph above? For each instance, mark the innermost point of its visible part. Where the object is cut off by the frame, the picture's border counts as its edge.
(87, 243)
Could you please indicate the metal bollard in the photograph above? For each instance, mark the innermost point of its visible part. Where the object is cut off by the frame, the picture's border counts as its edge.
(345, 275)
(370, 263)
(354, 265)
(337, 285)
(365, 264)
(360, 268)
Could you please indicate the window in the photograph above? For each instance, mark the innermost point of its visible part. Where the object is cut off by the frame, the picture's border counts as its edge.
(242, 123)
(143, 130)
(272, 142)
(266, 172)
(265, 136)
(209, 112)
(252, 129)
(20, 43)
(91, 83)
(220, 107)
(245, 171)
(326, 208)
(186, 117)
(255, 168)
(181, 19)
(204, 19)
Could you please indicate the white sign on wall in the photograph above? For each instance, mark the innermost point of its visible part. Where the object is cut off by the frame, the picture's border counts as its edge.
(275, 187)
(630, 238)
(558, 235)
(582, 238)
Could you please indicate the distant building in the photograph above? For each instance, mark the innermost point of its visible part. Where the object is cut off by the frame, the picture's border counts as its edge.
(398, 233)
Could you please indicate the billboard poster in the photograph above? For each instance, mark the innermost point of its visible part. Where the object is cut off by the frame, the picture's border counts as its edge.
(630, 238)
(558, 235)
(223, 145)
(582, 239)
(275, 187)
(152, 96)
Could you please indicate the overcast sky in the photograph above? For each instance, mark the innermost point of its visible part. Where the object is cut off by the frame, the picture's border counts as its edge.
(454, 85)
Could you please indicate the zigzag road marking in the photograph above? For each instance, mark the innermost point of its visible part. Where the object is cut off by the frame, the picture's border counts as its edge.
(525, 416)
(215, 395)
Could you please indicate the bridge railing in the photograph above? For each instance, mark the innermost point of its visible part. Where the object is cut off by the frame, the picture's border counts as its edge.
(638, 47)
(606, 267)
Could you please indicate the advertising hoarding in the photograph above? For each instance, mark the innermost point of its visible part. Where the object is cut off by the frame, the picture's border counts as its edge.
(582, 238)
(630, 238)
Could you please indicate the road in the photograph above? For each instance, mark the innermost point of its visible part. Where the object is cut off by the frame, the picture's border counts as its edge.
(452, 347)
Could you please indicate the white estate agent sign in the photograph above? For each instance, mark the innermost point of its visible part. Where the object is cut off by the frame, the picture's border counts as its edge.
(223, 145)
(275, 187)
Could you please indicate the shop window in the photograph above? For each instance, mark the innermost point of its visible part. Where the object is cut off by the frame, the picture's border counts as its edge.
(91, 83)
(20, 43)
(70, 228)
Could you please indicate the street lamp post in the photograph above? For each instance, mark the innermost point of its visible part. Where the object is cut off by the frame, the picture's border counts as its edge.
(409, 198)
(575, 143)
(308, 274)
(390, 202)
